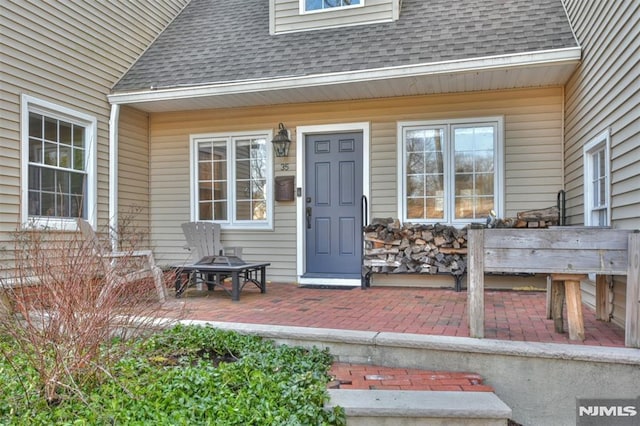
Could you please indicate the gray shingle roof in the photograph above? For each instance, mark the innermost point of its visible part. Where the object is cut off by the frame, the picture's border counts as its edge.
(215, 41)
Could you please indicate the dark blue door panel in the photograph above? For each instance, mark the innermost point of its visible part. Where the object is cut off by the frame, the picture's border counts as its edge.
(333, 188)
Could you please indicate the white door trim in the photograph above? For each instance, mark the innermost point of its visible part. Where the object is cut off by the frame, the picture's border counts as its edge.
(301, 132)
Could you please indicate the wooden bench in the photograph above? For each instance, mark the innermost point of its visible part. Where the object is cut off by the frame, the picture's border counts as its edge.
(568, 254)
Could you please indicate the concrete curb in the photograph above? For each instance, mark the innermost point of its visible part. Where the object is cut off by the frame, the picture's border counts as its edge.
(441, 343)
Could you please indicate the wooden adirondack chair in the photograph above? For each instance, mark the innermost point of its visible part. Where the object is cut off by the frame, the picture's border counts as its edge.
(203, 239)
(115, 276)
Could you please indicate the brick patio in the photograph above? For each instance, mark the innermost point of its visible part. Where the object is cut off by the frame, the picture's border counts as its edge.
(509, 315)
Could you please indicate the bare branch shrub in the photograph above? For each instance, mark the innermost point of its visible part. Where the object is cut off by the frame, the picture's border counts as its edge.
(67, 320)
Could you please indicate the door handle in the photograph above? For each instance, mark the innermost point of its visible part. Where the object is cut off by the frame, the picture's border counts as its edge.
(308, 215)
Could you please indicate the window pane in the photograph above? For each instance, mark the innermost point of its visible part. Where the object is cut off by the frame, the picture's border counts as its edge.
(51, 129)
(78, 136)
(483, 161)
(416, 208)
(63, 183)
(34, 178)
(48, 204)
(35, 125)
(212, 180)
(251, 170)
(64, 156)
(484, 206)
(48, 182)
(484, 184)
(65, 133)
(50, 154)
(78, 159)
(424, 171)
(464, 184)
(35, 151)
(205, 191)
(465, 207)
(243, 210)
(435, 208)
(474, 171)
(205, 172)
(434, 185)
(464, 161)
(259, 210)
(205, 211)
(220, 210)
(415, 185)
(77, 184)
(34, 203)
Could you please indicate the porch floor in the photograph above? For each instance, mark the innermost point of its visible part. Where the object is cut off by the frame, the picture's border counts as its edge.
(509, 315)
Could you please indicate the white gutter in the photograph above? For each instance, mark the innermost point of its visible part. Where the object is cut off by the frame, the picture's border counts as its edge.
(518, 60)
(113, 175)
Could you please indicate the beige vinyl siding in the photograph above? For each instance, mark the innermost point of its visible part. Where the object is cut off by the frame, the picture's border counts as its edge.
(286, 16)
(69, 54)
(603, 95)
(133, 171)
(533, 141)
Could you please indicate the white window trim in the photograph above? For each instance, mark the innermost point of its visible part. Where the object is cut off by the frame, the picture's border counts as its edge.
(231, 178)
(304, 11)
(32, 104)
(448, 123)
(600, 142)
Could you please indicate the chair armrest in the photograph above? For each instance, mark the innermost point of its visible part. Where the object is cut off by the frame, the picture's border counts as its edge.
(134, 253)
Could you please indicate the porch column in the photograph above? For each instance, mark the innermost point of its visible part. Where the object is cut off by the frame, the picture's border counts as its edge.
(113, 174)
(475, 283)
(632, 321)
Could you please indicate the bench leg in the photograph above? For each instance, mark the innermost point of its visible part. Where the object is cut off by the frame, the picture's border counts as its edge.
(573, 297)
(557, 303)
(603, 304)
(574, 310)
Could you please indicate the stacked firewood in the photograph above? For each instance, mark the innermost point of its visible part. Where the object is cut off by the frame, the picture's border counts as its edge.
(540, 218)
(391, 247)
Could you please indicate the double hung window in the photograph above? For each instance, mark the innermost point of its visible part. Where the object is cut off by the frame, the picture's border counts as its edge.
(58, 162)
(596, 181)
(450, 171)
(230, 179)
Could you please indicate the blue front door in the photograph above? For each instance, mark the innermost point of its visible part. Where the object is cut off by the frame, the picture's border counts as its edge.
(333, 192)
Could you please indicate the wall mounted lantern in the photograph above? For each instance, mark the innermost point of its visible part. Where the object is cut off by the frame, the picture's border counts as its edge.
(281, 142)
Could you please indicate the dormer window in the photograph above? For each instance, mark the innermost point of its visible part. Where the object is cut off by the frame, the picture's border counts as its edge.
(322, 5)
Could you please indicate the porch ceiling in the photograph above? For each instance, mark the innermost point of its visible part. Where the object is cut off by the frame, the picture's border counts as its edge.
(509, 72)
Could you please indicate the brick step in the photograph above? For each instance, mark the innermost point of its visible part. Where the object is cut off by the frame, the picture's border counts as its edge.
(361, 376)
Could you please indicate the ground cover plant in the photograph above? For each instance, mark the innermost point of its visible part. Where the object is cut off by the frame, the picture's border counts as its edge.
(62, 310)
(77, 350)
(185, 375)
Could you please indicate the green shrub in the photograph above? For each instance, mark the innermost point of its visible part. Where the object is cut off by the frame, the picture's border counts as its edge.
(186, 375)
